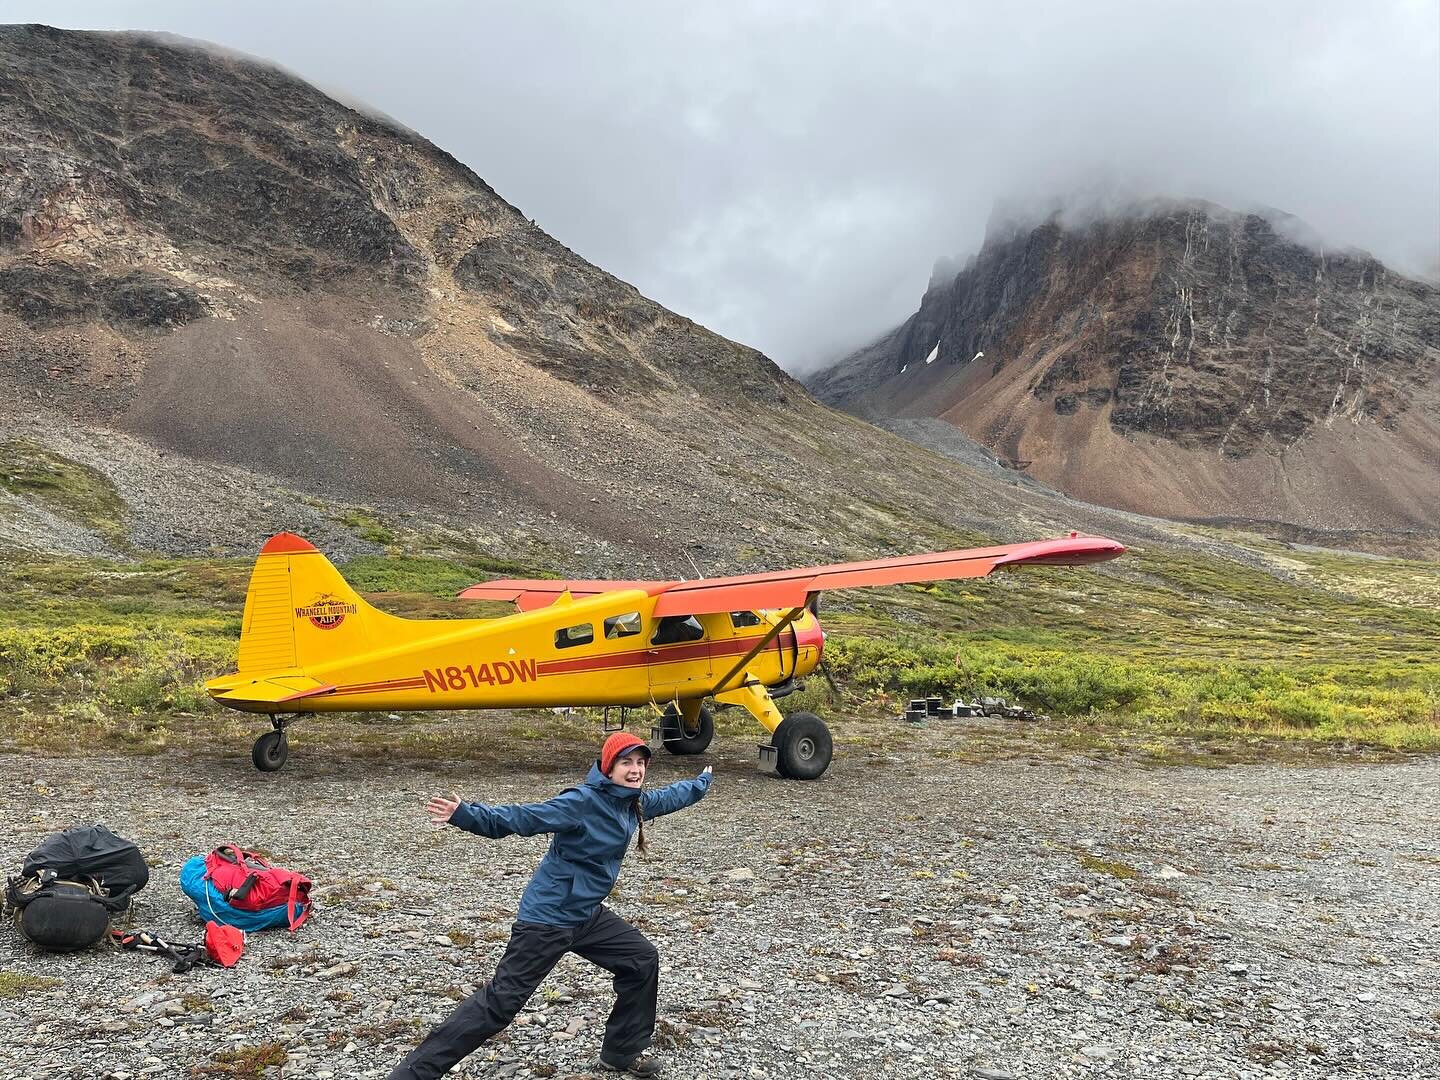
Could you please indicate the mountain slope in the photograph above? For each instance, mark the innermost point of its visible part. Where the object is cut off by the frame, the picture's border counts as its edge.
(1183, 361)
(249, 307)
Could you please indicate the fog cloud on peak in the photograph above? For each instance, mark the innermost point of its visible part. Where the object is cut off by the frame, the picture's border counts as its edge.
(789, 174)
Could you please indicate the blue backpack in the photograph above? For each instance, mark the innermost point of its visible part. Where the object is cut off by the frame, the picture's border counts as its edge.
(212, 906)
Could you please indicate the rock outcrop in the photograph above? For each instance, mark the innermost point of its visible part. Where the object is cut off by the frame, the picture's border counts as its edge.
(1184, 361)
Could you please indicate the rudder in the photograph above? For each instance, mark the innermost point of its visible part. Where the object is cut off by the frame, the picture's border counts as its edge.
(299, 611)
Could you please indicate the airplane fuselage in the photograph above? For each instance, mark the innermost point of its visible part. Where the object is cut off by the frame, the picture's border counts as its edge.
(603, 650)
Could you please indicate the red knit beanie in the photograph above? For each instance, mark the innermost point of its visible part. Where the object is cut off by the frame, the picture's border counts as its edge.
(616, 745)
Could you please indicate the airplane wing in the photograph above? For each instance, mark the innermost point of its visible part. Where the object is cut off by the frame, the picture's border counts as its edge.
(527, 594)
(792, 588)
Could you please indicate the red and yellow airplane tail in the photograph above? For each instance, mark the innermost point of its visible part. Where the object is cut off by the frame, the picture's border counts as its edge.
(301, 617)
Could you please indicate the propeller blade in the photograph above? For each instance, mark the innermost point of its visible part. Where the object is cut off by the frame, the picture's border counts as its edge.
(824, 670)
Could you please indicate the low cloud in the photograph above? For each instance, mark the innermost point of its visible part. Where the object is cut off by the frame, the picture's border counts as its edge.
(789, 174)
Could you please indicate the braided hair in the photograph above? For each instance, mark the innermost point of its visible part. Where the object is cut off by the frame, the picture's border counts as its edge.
(640, 824)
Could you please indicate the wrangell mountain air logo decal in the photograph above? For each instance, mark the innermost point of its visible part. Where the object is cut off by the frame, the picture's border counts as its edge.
(326, 612)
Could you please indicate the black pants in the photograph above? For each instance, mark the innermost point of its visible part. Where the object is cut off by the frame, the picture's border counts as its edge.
(533, 952)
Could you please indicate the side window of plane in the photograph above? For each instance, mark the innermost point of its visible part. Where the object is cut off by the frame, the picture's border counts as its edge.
(627, 625)
(677, 628)
(571, 636)
(742, 619)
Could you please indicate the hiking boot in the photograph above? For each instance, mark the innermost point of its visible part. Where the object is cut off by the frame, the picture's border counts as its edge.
(638, 1066)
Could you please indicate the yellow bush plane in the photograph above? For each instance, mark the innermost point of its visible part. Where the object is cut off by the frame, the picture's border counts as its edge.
(310, 643)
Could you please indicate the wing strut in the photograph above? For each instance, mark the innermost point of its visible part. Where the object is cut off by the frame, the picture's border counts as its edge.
(791, 616)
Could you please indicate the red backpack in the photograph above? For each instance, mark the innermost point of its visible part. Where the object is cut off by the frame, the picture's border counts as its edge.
(249, 882)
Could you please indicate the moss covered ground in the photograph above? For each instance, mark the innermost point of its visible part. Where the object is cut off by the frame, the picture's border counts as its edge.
(66, 488)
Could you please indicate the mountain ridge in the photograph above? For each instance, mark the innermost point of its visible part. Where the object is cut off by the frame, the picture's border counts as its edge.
(250, 307)
(1188, 361)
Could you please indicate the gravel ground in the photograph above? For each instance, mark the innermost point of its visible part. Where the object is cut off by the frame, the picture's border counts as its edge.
(912, 914)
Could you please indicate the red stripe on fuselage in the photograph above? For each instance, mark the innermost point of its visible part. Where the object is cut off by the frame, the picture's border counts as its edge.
(657, 654)
(812, 636)
(378, 687)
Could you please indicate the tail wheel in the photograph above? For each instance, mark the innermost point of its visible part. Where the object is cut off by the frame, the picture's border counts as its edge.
(803, 746)
(687, 738)
(270, 752)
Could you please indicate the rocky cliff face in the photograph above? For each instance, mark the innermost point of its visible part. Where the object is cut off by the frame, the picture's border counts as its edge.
(250, 307)
(1184, 361)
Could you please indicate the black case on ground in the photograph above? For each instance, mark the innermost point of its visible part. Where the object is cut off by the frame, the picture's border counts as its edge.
(92, 851)
(72, 884)
(63, 917)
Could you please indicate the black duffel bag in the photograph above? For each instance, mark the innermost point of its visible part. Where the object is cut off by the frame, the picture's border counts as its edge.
(72, 884)
(59, 916)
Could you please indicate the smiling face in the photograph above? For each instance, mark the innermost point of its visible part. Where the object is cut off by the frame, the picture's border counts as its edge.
(629, 768)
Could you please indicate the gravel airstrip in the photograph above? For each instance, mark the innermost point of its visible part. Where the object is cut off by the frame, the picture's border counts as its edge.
(918, 912)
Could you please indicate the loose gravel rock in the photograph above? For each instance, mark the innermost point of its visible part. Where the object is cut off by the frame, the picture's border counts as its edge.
(909, 915)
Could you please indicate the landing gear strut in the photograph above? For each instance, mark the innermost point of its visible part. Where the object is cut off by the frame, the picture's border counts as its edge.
(272, 748)
(800, 746)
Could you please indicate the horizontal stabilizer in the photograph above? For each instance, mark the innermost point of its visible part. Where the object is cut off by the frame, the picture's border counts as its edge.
(266, 690)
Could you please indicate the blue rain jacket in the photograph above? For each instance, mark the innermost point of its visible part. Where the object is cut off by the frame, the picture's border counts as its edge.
(592, 824)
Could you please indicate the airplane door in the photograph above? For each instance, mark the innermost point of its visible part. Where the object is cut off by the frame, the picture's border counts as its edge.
(679, 656)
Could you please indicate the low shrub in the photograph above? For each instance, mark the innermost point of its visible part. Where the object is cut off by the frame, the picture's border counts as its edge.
(1390, 704)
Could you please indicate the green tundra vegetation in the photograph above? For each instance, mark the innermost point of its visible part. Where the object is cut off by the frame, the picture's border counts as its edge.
(1282, 643)
(1320, 647)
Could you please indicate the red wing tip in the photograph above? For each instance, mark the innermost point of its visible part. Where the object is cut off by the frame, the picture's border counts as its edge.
(286, 544)
(1074, 550)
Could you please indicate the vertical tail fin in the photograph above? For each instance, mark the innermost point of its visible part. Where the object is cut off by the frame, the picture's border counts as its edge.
(299, 611)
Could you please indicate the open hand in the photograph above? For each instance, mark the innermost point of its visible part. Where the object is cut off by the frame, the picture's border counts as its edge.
(440, 808)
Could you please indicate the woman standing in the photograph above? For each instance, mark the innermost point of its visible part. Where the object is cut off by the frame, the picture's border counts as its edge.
(562, 908)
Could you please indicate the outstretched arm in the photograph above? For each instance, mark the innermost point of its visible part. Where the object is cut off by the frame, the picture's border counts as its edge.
(676, 796)
(521, 819)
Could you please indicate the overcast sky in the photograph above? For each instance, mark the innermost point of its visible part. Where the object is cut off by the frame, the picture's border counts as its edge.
(788, 173)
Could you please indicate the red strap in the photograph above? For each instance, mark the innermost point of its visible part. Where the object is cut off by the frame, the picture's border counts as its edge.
(241, 856)
(295, 923)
